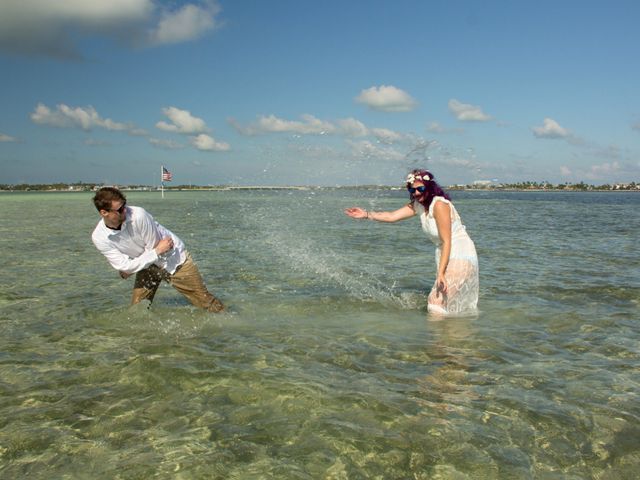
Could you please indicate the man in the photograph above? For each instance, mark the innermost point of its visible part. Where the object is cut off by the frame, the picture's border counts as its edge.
(134, 242)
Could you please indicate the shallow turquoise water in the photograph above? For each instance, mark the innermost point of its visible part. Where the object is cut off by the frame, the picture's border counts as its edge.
(327, 365)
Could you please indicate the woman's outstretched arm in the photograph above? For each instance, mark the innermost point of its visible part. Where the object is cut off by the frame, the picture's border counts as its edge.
(390, 217)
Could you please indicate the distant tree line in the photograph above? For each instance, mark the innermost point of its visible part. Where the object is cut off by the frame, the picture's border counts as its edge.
(79, 186)
(581, 186)
(60, 186)
(84, 187)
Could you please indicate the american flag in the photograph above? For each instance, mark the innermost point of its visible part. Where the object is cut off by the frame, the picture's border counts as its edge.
(166, 175)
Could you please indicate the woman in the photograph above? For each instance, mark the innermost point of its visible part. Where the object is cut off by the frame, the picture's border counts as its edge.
(455, 290)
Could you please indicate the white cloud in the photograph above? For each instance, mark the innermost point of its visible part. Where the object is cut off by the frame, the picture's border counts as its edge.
(599, 171)
(387, 98)
(181, 122)
(608, 172)
(188, 23)
(613, 152)
(56, 28)
(369, 150)
(636, 126)
(272, 124)
(207, 143)
(352, 127)
(165, 144)
(311, 125)
(565, 171)
(550, 129)
(85, 118)
(7, 138)
(466, 112)
(435, 127)
(455, 161)
(387, 136)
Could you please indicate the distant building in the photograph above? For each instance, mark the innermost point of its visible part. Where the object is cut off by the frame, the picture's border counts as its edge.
(482, 183)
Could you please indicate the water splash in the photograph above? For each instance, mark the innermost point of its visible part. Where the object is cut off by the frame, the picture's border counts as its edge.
(433, 154)
(304, 255)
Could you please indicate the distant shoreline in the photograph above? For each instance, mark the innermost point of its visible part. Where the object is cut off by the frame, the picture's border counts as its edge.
(308, 188)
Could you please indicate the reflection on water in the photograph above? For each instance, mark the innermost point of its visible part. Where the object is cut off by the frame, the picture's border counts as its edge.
(327, 365)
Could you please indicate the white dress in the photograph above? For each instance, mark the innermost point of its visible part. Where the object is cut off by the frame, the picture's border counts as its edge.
(462, 270)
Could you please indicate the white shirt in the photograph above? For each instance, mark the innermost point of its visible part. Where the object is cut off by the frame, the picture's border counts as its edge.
(131, 248)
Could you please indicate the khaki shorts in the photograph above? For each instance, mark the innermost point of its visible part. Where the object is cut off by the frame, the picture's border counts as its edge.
(186, 279)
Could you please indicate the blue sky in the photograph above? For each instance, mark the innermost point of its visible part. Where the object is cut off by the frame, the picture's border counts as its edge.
(319, 93)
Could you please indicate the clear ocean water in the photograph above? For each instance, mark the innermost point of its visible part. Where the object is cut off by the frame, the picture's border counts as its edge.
(326, 365)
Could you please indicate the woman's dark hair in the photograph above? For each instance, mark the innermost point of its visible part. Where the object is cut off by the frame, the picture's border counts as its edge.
(103, 197)
(433, 189)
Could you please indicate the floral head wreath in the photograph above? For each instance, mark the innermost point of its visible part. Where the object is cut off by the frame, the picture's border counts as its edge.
(412, 177)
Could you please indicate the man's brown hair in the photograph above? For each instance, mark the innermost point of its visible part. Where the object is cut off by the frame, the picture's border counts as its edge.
(103, 197)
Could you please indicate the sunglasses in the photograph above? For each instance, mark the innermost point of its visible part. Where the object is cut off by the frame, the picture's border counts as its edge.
(420, 189)
(121, 209)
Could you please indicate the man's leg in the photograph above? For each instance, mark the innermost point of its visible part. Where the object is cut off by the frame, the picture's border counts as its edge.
(188, 281)
(146, 284)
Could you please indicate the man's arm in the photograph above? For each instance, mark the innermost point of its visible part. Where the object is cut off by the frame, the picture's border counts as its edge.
(127, 265)
(124, 263)
(163, 246)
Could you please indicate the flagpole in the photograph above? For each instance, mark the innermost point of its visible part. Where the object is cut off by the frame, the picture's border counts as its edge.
(162, 180)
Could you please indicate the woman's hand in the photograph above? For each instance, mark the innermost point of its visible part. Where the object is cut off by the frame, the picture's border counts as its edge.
(356, 212)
